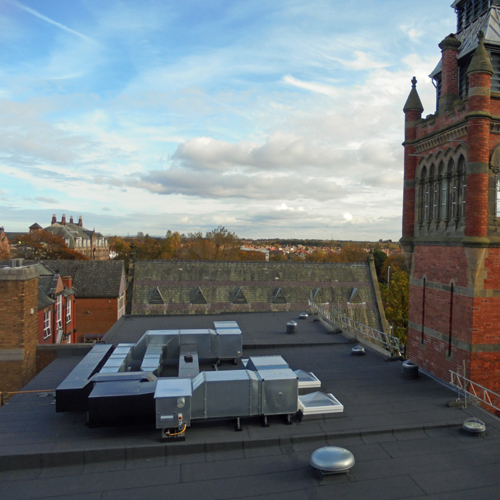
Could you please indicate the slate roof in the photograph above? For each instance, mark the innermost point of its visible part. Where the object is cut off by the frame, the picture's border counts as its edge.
(91, 278)
(212, 287)
(406, 441)
(47, 283)
(489, 22)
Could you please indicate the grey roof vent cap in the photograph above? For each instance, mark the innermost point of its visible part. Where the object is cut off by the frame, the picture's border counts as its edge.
(332, 460)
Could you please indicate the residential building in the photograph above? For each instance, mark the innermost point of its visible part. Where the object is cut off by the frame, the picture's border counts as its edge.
(56, 308)
(451, 211)
(100, 289)
(85, 241)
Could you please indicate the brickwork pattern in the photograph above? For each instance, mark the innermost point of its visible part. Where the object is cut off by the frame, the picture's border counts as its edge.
(18, 330)
(95, 316)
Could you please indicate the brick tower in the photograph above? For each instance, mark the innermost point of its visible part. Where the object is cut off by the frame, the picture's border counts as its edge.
(451, 208)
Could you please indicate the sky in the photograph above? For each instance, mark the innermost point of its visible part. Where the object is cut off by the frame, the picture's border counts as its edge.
(274, 118)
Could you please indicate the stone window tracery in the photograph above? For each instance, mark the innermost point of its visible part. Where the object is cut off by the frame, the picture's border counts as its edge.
(441, 191)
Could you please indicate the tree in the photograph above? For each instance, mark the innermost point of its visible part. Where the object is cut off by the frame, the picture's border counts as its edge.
(395, 300)
(45, 245)
(352, 252)
(379, 258)
(395, 261)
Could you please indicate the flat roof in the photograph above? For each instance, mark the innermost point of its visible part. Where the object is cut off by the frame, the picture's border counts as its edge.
(406, 441)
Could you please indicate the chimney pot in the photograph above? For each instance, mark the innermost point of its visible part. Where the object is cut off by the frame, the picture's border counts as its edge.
(54, 220)
(80, 221)
(71, 220)
(63, 220)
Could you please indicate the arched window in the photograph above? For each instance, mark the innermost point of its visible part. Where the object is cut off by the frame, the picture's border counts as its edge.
(434, 189)
(424, 193)
(454, 202)
(462, 184)
(445, 192)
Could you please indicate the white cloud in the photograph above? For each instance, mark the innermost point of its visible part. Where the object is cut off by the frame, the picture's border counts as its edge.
(362, 62)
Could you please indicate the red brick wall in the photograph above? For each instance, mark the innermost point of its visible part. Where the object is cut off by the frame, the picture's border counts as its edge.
(18, 328)
(95, 316)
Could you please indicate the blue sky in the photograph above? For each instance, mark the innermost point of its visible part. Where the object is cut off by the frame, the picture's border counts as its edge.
(279, 118)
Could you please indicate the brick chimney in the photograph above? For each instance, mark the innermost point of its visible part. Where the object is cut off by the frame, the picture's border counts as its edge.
(63, 220)
(68, 281)
(80, 221)
(54, 220)
(449, 84)
(71, 220)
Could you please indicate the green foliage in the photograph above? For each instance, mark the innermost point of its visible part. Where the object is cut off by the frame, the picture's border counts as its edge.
(379, 257)
(395, 300)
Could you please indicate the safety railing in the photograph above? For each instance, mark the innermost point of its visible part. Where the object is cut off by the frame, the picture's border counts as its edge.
(357, 329)
(475, 391)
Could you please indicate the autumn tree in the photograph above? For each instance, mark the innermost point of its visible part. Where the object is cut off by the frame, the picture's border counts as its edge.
(395, 261)
(46, 245)
(395, 299)
(352, 252)
(379, 257)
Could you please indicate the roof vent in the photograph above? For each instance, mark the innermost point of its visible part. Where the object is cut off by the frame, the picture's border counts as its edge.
(239, 297)
(198, 297)
(332, 460)
(474, 427)
(279, 297)
(156, 298)
(409, 369)
(291, 327)
(358, 350)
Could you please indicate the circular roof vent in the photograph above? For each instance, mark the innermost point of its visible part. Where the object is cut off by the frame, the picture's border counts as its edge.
(474, 427)
(291, 327)
(332, 460)
(303, 315)
(358, 350)
(409, 369)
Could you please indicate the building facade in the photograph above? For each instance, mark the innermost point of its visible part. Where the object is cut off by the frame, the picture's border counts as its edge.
(85, 241)
(451, 208)
(100, 291)
(56, 308)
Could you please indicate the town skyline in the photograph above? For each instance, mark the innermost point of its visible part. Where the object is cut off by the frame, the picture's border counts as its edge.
(274, 121)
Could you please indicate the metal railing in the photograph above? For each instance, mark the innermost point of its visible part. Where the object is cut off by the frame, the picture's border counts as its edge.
(477, 392)
(389, 342)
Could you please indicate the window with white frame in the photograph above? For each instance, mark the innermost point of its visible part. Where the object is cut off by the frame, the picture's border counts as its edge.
(46, 324)
(68, 311)
(59, 311)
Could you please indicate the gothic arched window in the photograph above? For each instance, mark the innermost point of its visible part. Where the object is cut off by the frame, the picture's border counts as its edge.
(462, 185)
(445, 189)
(431, 189)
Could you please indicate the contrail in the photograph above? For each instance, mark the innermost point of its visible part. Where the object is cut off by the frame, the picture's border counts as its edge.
(48, 20)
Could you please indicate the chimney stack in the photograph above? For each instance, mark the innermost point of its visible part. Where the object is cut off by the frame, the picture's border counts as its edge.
(54, 220)
(68, 281)
(80, 221)
(449, 84)
(71, 220)
(63, 220)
